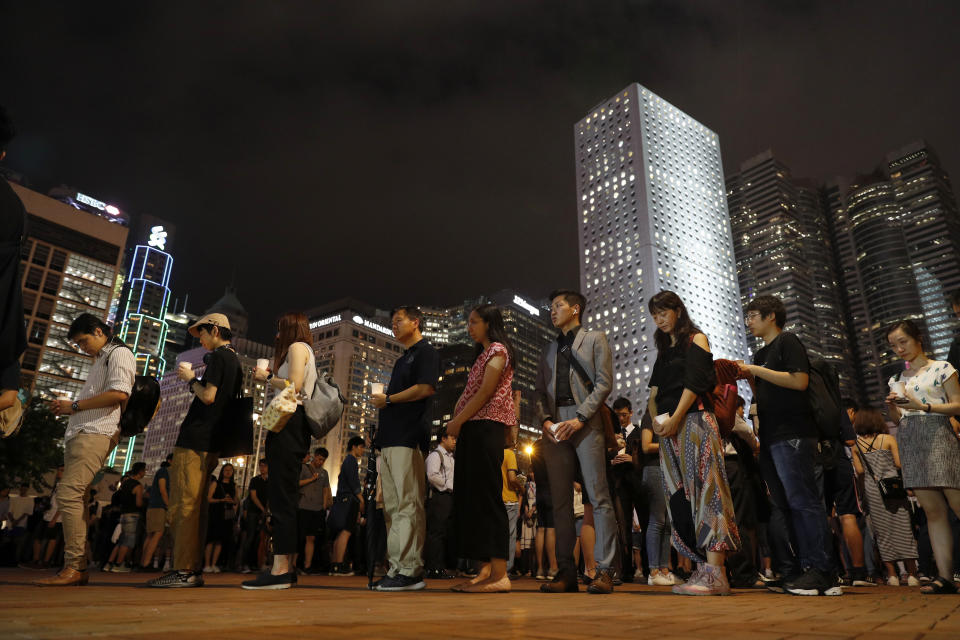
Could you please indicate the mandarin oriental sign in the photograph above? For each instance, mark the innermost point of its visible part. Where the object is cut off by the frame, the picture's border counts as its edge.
(316, 324)
(523, 304)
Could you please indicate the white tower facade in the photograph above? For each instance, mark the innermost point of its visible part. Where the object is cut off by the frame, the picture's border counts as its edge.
(652, 215)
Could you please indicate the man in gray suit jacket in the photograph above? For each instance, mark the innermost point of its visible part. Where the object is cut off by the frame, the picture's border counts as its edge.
(572, 431)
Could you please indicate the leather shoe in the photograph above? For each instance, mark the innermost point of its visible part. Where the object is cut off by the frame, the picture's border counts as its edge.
(561, 583)
(603, 583)
(67, 577)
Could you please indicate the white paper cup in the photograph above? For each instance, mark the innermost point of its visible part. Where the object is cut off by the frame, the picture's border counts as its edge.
(186, 365)
(376, 387)
(899, 388)
(263, 363)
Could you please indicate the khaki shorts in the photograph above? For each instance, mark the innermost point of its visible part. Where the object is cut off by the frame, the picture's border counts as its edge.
(156, 519)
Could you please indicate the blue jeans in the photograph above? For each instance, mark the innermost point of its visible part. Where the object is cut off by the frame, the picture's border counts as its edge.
(658, 530)
(513, 512)
(798, 519)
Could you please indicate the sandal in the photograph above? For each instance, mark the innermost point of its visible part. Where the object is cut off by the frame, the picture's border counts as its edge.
(939, 586)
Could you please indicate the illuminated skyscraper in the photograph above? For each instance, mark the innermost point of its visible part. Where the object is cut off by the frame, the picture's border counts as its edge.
(652, 215)
(783, 248)
(144, 326)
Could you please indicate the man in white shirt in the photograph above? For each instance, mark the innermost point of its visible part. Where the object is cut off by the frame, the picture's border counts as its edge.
(439, 466)
(92, 432)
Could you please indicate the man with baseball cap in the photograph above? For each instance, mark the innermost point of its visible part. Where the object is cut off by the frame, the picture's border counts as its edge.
(193, 456)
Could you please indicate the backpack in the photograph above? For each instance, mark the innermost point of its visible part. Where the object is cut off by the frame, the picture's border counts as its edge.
(142, 403)
(325, 406)
(823, 395)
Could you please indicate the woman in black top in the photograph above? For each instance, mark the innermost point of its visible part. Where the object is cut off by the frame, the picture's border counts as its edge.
(691, 456)
(222, 496)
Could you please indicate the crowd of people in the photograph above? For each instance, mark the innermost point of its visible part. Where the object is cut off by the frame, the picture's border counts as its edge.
(670, 499)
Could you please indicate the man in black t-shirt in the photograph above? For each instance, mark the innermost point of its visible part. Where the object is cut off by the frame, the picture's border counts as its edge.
(194, 455)
(788, 455)
(403, 432)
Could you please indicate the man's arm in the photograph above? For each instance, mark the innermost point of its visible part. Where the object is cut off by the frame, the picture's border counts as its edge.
(162, 485)
(327, 497)
(110, 398)
(138, 494)
(256, 500)
(541, 400)
(795, 380)
(604, 377)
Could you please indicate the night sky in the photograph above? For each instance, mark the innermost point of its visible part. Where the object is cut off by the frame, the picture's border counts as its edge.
(423, 151)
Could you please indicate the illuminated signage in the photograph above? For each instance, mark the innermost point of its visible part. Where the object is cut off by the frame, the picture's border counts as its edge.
(158, 238)
(316, 324)
(372, 325)
(96, 204)
(523, 304)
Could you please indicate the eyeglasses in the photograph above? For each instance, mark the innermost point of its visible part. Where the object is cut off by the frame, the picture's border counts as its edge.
(753, 315)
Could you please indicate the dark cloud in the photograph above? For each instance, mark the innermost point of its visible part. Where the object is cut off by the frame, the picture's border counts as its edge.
(423, 151)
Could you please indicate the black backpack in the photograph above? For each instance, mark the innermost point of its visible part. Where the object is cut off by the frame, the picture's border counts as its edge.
(141, 405)
(823, 394)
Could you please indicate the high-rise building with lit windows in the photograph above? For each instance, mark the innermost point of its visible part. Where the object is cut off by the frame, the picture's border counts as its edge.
(71, 262)
(783, 248)
(144, 326)
(652, 215)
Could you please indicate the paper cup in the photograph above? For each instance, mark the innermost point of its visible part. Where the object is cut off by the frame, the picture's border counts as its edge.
(263, 363)
(376, 387)
(899, 388)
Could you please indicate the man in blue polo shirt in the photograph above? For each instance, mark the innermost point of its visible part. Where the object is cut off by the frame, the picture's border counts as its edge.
(403, 434)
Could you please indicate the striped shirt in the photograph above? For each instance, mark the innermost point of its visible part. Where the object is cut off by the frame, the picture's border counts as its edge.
(107, 374)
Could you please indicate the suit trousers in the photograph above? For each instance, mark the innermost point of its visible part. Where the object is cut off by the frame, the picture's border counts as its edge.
(404, 478)
(588, 447)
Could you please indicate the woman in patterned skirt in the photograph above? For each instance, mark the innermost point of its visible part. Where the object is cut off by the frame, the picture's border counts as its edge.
(691, 456)
(483, 412)
(876, 456)
(929, 450)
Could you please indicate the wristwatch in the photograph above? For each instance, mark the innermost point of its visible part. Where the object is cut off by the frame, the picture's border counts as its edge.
(190, 384)
(581, 419)
(75, 406)
(387, 399)
(928, 408)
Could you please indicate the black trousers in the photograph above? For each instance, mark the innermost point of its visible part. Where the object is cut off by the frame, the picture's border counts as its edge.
(285, 452)
(628, 488)
(481, 518)
(742, 563)
(440, 524)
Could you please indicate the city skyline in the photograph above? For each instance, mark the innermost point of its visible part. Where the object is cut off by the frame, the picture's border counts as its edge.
(370, 137)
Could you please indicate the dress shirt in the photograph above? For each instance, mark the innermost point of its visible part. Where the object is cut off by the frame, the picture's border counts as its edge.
(439, 465)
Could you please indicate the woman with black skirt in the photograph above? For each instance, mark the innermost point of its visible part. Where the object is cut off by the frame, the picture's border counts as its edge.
(483, 413)
(221, 496)
(295, 364)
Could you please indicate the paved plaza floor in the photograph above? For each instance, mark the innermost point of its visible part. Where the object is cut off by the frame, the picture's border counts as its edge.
(117, 606)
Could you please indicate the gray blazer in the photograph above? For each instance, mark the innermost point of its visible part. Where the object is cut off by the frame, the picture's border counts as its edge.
(591, 350)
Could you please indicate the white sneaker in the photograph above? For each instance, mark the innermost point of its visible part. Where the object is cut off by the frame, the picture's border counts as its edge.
(215, 569)
(912, 581)
(893, 581)
(664, 580)
(638, 575)
(673, 579)
(120, 568)
(208, 569)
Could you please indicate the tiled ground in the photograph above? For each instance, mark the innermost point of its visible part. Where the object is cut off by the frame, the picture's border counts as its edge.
(117, 606)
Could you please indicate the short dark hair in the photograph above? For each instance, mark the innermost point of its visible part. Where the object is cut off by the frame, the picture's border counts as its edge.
(766, 305)
(411, 312)
(169, 457)
(741, 402)
(622, 403)
(223, 332)
(263, 461)
(869, 421)
(571, 297)
(6, 129)
(321, 451)
(355, 441)
(87, 323)
(138, 467)
(955, 298)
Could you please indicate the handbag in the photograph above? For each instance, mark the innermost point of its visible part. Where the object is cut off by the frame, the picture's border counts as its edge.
(890, 488)
(607, 416)
(278, 412)
(325, 405)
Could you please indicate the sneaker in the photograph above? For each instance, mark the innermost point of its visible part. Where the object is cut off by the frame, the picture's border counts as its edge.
(540, 576)
(268, 581)
(400, 582)
(813, 582)
(208, 569)
(893, 581)
(662, 580)
(638, 576)
(343, 569)
(120, 568)
(862, 582)
(215, 569)
(177, 579)
(912, 581)
(106, 566)
(707, 580)
(246, 569)
(779, 585)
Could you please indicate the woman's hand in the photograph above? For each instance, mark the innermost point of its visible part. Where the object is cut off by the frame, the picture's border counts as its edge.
(453, 427)
(669, 427)
(260, 375)
(912, 403)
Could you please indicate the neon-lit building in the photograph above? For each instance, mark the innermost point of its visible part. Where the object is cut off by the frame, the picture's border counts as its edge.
(144, 326)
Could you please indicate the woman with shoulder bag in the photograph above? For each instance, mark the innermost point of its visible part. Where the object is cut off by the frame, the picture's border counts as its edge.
(295, 365)
(482, 414)
(876, 457)
(922, 399)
